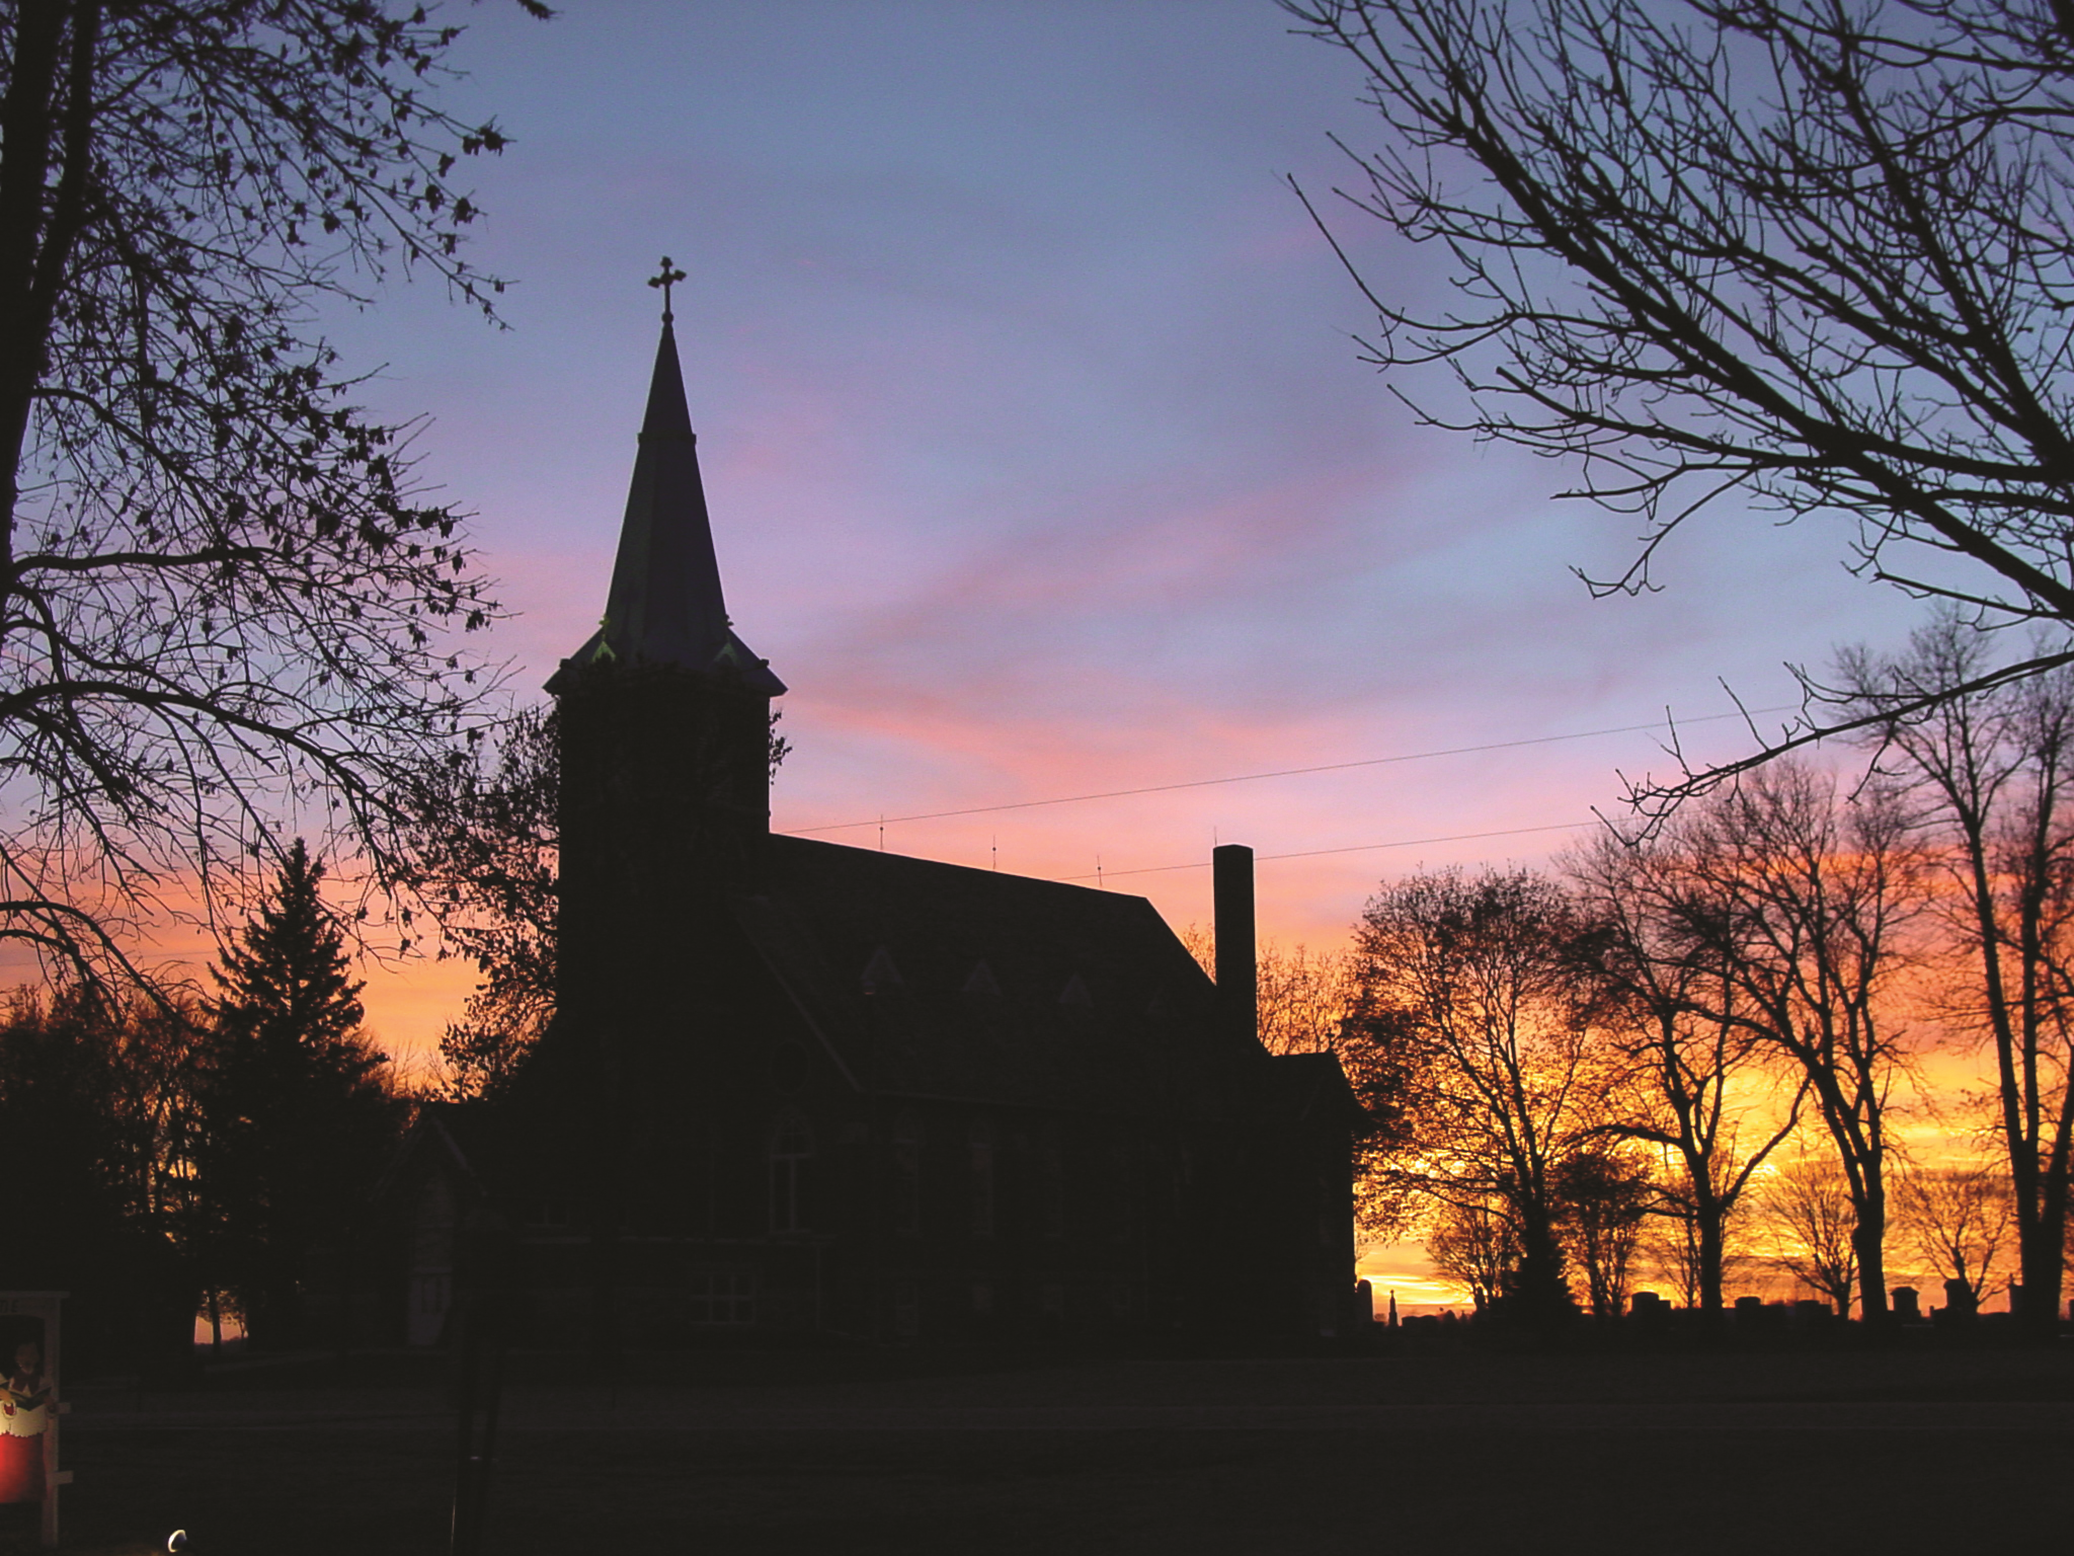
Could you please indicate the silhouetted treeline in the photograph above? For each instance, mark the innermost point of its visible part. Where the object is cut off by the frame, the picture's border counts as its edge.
(93, 1106)
(1691, 1045)
(170, 1154)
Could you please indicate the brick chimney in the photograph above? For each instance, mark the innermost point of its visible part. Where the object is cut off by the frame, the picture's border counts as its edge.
(1238, 972)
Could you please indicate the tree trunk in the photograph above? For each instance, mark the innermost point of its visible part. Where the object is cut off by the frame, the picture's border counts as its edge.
(1869, 1239)
(2042, 1254)
(1711, 1251)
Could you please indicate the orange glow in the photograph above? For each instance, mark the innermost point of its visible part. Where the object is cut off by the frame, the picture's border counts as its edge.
(1403, 1268)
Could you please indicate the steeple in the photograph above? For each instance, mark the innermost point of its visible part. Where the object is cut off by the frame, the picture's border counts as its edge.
(665, 605)
(664, 739)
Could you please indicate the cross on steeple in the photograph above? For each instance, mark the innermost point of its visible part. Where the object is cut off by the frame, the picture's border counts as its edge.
(668, 278)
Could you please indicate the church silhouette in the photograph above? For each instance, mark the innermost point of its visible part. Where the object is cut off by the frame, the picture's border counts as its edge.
(795, 1089)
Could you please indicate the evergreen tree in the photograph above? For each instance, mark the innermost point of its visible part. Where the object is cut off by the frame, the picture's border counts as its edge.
(296, 1117)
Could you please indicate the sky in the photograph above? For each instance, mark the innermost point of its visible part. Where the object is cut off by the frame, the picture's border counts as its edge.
(1041, 457)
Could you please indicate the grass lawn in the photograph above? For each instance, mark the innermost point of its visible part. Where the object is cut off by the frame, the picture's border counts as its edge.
(1463, 1453)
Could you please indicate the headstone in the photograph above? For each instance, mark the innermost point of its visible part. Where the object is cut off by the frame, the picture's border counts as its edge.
(1907, 1306)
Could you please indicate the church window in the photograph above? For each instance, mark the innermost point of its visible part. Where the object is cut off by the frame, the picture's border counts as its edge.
(907, 1175)
(553, 1213)
(722, 1297)
(792, 1152)
(982, 1147)
(1122, 1191)
(436, 1220)
(1051, 1183)
(432, 1263)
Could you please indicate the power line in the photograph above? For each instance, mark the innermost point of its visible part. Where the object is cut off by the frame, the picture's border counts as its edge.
(1356, 848)
(1287, 772)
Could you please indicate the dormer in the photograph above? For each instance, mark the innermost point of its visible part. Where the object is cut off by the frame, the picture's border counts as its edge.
(880, 975)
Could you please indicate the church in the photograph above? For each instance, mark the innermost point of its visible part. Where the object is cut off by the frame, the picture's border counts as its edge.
(801, 1092)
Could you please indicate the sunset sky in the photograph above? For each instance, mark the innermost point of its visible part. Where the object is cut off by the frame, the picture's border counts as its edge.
(1041, 458)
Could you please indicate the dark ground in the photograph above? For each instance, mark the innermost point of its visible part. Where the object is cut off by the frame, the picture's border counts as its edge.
(1944, 1451)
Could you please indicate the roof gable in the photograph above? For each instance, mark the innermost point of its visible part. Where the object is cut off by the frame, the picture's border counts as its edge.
(1093, 1001)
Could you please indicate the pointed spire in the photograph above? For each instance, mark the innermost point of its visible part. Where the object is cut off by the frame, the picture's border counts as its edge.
(666, 606)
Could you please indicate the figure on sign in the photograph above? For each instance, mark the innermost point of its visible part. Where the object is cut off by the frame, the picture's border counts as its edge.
(24, 1417)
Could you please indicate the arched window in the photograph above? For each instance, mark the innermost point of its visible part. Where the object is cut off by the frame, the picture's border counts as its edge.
(907, 1175)
(982, 1178)
(792, 1151)
(1051, 1182)
(432, 1262)
(1122, 1190)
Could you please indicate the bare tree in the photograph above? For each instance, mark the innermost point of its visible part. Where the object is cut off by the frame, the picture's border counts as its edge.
(1994, 775)
(1810, 1203)
(1670, 1244)
(1304, 996)
(1474, 1243)
(1813, 257)
(487, 841)
(1469, 972)
(1667, 1000)
(1957, 1221)
(1605, 1196)
(223, 599)
(1805, 899)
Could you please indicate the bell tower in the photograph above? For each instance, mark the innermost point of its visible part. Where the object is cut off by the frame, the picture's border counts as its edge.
(664, 717)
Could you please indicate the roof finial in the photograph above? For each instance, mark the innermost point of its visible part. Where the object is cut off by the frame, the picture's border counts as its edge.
(669, 277)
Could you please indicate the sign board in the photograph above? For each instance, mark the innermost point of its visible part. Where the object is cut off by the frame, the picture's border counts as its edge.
(29, 1406)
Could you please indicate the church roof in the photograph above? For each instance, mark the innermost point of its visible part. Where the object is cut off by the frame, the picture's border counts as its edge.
(935, 980)
(665, 605)
(1311, 1085)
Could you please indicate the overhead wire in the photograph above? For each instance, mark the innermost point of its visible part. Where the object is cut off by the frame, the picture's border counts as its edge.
(1353, 848)
(1286, 772)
